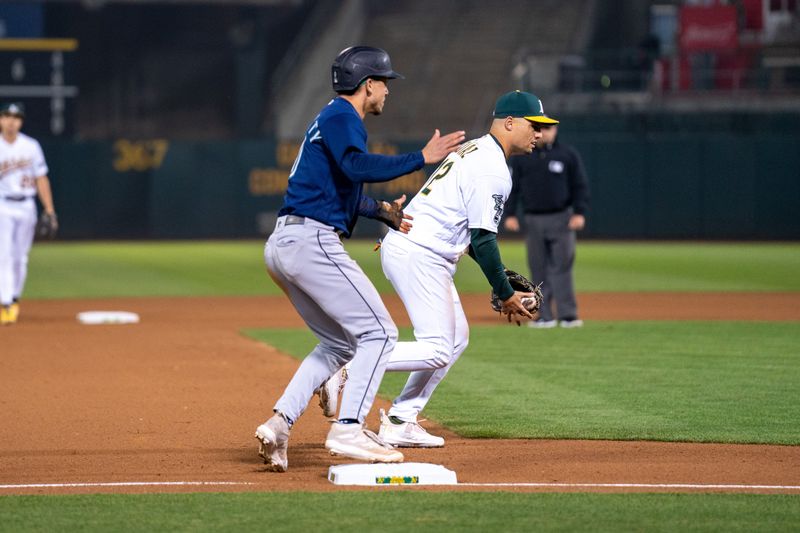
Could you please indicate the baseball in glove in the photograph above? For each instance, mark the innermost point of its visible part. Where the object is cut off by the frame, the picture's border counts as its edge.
(521, 284)
(47, 226)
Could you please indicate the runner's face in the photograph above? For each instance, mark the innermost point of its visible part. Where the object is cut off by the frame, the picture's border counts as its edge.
(377, 91)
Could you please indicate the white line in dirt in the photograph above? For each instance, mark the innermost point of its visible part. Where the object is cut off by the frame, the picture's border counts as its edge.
(121, 484)
(534, 485)
(635, 486)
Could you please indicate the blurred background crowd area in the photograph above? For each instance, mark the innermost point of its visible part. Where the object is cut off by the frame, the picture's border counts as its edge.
(687, 112)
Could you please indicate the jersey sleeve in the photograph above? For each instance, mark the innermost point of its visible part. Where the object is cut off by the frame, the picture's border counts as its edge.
(368, 207)
(38, 164)
(346, 139)
(343, 133)
(483, 249)
(485, 199)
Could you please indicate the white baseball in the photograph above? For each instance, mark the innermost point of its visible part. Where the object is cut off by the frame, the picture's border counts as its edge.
(528, 303)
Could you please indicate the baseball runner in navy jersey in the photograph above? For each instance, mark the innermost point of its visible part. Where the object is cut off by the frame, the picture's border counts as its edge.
(305, 257)
(23, 176)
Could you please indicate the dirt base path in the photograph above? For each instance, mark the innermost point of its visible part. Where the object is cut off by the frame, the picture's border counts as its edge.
(176, 398)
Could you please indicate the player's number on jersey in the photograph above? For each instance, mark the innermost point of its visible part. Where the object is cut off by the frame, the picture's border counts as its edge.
(439, 174)
(313, 134)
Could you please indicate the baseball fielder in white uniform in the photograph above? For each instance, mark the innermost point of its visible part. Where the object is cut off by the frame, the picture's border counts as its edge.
(23, 175)
(457, 212)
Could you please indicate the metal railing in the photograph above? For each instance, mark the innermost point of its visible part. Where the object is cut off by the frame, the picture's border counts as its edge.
(622, 71)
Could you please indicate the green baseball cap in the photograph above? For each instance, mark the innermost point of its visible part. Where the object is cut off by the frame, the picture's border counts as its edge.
(524, 105)
(13, 108)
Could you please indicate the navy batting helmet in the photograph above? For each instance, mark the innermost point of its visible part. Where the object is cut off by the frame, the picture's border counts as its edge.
(357, 63)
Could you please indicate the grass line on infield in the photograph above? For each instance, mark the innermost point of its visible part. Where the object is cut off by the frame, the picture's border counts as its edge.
(209, 268)
(730, 382)
(387, 510)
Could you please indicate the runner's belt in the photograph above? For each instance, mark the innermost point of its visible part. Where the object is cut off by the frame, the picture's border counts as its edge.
(292, 220)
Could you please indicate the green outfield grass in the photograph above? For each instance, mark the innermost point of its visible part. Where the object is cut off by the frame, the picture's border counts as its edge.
(389, 510)
(110, 269)
(187, 268)
(669, 381)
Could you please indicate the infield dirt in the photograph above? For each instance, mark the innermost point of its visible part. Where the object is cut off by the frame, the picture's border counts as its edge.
(177, 398)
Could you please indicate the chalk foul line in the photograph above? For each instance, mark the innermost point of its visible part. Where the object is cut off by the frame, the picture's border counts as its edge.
(122, 484)
(638, 486)
(706, 486)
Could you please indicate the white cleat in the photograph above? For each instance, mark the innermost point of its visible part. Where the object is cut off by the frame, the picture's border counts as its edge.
(407, 434)
(574, 323)
(273, 441)
(356, 442)
(330, 390)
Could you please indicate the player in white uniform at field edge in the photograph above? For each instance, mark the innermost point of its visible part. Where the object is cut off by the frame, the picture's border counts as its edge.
(456, 212)
(23, 175)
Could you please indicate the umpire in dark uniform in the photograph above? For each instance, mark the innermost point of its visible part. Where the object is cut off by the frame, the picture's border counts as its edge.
(551, 188)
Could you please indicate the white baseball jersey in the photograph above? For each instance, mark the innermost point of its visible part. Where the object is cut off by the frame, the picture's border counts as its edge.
(21, 162)
(467, 191)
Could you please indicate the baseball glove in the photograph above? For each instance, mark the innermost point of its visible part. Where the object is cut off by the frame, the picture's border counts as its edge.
(47, 226)
(522, 284)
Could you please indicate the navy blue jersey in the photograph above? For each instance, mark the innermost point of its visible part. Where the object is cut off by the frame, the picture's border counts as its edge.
(327, 178)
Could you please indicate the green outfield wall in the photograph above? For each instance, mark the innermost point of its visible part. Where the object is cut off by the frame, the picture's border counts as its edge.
(718, 186)
(651, 184)
(157, 188)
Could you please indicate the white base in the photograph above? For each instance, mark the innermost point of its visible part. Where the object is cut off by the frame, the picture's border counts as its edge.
(391, 474)
(108, 317)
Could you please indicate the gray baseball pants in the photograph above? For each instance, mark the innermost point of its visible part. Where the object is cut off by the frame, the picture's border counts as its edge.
(551, 256)
(340, 305)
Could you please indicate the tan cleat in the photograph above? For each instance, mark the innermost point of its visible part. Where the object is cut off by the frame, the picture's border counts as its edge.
(273, 442)
(13, 312)
(356, 442)
(5, 315)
